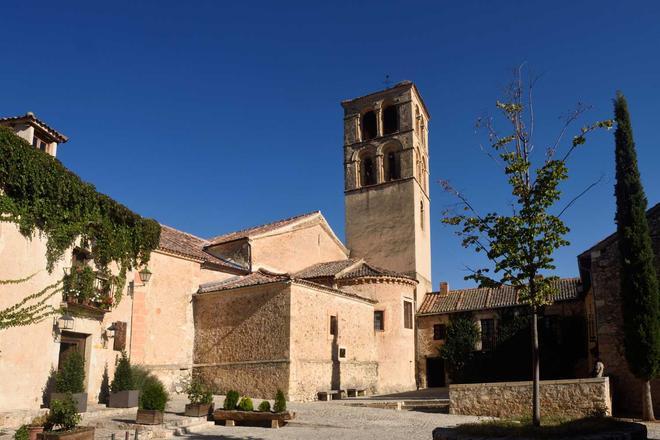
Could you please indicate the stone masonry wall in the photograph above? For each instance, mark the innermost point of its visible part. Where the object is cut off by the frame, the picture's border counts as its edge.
(605, 285)
(569, 398)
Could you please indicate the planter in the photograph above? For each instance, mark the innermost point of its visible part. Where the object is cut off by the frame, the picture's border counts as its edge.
(124, 399)
(230, 417)
(198, 409)
(34, 430)
(149, 417)
(79, 398)
(80, 433)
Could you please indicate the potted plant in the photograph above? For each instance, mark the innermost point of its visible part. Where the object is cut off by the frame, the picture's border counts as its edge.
(70, 378)
(124, 394)
(153, 399)
(201, 399)
(62, 422)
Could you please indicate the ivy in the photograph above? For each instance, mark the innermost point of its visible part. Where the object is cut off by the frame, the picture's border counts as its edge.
(40, 195)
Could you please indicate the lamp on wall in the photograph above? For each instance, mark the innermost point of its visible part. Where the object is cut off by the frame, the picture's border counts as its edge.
(145, 275)
(65, 322)
(111, 330)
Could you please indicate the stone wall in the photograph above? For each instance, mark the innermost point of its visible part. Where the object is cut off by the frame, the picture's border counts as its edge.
(602, 265)
(242, 339)
(567, 398)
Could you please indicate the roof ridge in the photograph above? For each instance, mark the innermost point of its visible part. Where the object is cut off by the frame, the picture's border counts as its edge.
(183, 232)
(284, 220)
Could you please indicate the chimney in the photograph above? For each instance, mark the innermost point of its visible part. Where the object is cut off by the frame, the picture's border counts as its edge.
(444, 288)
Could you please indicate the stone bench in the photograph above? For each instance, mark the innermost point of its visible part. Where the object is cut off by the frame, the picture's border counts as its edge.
(331, 395)
(356, 392)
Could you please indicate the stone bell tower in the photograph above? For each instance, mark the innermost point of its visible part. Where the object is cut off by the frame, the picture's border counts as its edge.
(386, 179)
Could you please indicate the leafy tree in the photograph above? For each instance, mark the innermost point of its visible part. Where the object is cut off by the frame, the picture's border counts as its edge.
(71, 375)
(153, 395)
(246, 404)
(457, 351)
(639, 282)
(63, 414)
(264, 406)
(123, 378)
(198, 392)
(520, 244)
(231, 400)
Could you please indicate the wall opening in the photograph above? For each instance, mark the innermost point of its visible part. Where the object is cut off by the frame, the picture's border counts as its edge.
(390, 120)
(393, 166)
(369, 125)
(368, 171)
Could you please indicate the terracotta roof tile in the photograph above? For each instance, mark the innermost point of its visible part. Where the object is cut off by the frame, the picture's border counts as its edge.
(29, 116)
(464, 300)
(367, 270)
(328, 269)
(185, 244)
(253, 279)
(249, 232)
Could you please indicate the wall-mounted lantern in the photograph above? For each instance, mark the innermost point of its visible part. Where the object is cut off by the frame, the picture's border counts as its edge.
(145, 275)
(65, 322)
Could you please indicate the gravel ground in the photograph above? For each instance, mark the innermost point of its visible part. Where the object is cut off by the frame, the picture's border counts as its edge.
(328, 420)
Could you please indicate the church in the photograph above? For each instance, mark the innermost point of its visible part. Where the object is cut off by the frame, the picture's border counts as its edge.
(285, 305)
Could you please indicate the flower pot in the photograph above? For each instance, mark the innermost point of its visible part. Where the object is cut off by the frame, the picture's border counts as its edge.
(79, 398)
(149, 417)
(79, 433)
(34, 430)
(124, 399)
(198, 409)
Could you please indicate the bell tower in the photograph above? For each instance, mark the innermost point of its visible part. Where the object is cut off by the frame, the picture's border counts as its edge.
(386, 181)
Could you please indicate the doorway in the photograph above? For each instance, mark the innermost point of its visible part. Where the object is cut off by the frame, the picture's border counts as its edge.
(69, 342)
(435, 372)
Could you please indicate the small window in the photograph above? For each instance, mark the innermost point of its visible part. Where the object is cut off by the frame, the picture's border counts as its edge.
(379, 320)
(487, 334)
(439, 332)
(393, 166)
(421, 215)
(368, 172)
(342, 353)
(369, 130)
(334, 326)
(407, 315)
(390, 120)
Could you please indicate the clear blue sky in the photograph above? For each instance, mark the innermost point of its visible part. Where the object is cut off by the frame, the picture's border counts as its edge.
(215, 116)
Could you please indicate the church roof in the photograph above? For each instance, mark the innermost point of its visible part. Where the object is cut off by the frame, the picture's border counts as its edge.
(263, 276)
(347, 269)
(261, 229)
(188, 245)
(31, 118)
(482, 298)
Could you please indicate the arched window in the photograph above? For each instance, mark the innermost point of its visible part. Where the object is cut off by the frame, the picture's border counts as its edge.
(421, 214)
(368, 174)
(369, 129)
(418, 123)
(390, 120)
(393, 166)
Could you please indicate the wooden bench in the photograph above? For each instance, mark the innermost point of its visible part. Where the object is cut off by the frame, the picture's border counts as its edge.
(331, 394)
(355, 392)
(231, 417)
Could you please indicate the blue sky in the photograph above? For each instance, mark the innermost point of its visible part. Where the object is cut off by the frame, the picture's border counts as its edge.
(215, 116)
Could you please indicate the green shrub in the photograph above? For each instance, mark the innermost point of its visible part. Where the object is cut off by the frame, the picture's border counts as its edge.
(123, 379)
(264, 406)
(231, 400)
(140, 376)
(280, 402)
(63, 414)
(71, 376)
(153, 395)
(22, 433)
(198, 392)
(246, 404)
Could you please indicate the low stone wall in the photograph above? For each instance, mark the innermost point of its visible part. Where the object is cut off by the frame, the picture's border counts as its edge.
(567, 398)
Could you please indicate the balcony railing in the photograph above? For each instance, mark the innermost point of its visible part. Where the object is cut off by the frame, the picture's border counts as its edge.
(89, 288)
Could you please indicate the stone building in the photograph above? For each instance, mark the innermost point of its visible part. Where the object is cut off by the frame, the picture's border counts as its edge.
(284, 305)
(599, 270)
(484, 306)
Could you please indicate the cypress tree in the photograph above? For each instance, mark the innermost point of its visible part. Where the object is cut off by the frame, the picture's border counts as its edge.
(639, 283)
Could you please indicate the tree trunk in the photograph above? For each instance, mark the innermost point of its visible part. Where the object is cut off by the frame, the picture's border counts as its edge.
(536, 404)
(647, 401)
